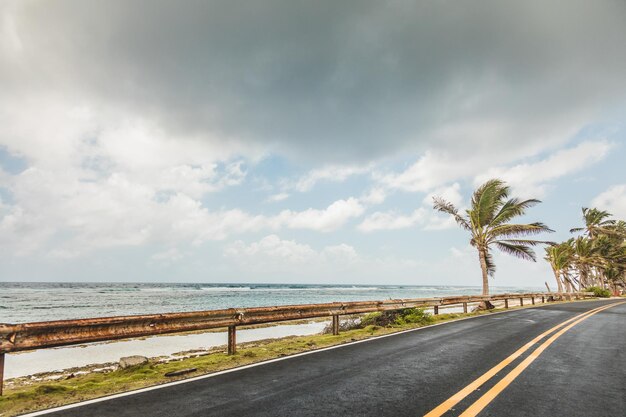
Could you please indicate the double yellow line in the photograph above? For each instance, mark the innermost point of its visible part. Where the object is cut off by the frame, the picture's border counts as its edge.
(483, 401)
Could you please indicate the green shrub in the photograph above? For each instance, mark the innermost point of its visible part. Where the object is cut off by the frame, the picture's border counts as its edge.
(370, 319)
(414, 316)
(599, 292)
(397, 318)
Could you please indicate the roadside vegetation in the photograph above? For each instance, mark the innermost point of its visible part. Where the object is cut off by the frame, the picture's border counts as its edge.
(599, 292)
(593, 261)
(407, 316)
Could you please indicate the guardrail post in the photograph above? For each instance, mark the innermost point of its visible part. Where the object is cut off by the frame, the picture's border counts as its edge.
(521, 301)
(532, 299)
(506, 303)
(232, 340)
(436, 309)
(543, 299)
(1, 372)
(335, 324)
(465, 307)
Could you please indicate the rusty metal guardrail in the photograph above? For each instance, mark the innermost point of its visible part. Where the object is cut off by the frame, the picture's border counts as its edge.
(40, 335)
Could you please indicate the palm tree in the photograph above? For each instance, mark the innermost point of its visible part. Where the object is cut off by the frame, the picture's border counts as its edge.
(598, 252)
(611, 249)
(586, 258)
(488, 223)
(560, 257)
(596, 222)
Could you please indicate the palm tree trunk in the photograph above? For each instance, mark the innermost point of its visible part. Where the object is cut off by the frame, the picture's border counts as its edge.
(558, 281)
(581, 279)
(569, 287)
(482, 257)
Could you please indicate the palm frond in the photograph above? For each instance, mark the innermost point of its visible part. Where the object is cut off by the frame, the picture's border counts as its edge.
(491, 266)
(519, 251)
(512, 208)
(515, 230)
(487, 200)
(595, 217)
(444, 206)
(528, 242)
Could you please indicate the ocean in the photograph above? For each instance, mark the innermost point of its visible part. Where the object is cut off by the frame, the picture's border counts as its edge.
(29, 302)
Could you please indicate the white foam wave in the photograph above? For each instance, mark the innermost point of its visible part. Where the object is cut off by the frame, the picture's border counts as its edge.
(225, 289)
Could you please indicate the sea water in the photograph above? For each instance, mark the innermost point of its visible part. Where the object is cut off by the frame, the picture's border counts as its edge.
(29, 302)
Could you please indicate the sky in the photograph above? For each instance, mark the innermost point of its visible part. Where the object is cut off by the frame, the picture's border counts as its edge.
(293, 141)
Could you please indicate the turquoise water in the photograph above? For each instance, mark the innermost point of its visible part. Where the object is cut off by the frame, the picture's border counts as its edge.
(28, 302)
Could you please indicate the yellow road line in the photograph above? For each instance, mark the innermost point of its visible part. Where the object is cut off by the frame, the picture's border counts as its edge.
(483, 401)
(459, 396)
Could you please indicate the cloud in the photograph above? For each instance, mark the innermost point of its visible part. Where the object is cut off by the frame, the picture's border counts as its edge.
(167, 257)
(530, 179)
(339, 263)
(451, 193)
(143, 124)
(436, 169)
(278, 197)
(422, 216)
(391, 220)
(612, 200)
(429, 171)
(378, 81)
(109, 181)
(376, 195)
(115, 211)
(272, 253)
(273, 247)
(329, 173)
(334, 216)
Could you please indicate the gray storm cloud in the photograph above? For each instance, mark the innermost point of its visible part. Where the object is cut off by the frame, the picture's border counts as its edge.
(325, 79)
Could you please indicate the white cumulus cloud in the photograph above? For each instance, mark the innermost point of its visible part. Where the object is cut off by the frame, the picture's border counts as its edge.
(612, 200)
(331, 218)
(391, 220)
(531, 179)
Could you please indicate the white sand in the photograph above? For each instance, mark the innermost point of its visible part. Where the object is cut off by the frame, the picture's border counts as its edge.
(57, 359)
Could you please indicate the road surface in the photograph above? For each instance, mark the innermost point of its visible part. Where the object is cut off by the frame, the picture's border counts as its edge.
(578, 369)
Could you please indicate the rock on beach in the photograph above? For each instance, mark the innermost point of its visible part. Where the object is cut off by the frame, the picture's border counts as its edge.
(128, 361)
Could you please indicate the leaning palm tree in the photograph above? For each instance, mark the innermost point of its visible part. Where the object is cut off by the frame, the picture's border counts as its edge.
(587, 258)
(560, 257)
(488, 221)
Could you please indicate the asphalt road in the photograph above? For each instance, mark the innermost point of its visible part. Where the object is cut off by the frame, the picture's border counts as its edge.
(582, 373)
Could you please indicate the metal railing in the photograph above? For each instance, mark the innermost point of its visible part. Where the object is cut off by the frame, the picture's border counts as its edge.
(40, 335)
